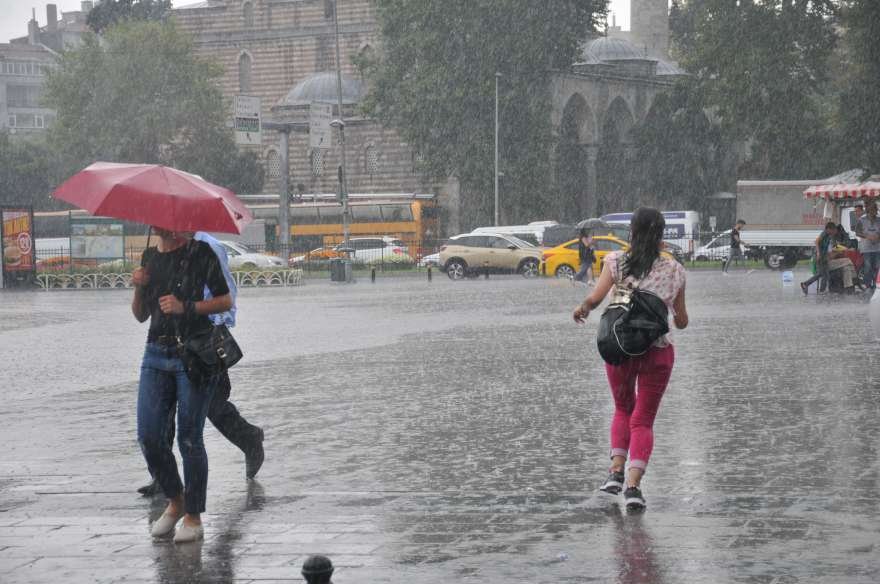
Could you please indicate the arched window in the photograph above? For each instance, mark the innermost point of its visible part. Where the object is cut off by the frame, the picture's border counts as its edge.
(371, 159)
(248, 11)
(273, 163)
(316, 156)
(244, 73)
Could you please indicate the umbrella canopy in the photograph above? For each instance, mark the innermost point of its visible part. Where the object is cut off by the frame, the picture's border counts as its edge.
(155, 195)
(870, 189)
(593, 224)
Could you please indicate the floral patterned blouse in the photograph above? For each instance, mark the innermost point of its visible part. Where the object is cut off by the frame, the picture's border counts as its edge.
(666, 279)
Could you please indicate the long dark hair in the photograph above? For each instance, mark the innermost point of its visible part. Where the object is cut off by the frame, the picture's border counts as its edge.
(646, 237)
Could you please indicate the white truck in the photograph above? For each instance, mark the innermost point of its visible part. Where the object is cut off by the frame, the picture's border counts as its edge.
(781, 223)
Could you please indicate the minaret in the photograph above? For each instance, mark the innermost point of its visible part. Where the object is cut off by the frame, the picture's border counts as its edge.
(649, 26)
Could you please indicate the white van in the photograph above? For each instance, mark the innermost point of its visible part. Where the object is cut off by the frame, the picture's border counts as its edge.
(532, 233)
(682, 227)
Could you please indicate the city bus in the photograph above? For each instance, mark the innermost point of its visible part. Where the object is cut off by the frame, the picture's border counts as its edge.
(316, 220)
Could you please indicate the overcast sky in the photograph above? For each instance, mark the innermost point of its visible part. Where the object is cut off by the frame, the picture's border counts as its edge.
(15, 14)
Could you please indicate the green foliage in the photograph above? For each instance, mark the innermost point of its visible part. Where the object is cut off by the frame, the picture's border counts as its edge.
(859, 106)
(110, 12)
(762, 67)
(435, 82)
(24, 172)
(680, 154)
(139, 94)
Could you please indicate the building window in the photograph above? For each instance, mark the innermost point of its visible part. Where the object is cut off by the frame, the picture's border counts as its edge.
(23, 95)
(11, 121)
(328, 9)
(244, 73)
(273, 163)
(371, 159)
(317, 160)
(248, 10)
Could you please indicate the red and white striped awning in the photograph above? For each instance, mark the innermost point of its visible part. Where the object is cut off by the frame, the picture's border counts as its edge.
(844, 191)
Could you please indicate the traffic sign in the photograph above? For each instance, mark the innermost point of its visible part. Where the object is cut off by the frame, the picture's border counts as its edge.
(247, 120)
(320, 133)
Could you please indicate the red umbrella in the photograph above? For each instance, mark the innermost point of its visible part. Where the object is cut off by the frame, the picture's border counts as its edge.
(155, 195)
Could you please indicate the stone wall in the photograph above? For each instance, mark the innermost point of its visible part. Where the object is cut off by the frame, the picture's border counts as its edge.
(287, 41)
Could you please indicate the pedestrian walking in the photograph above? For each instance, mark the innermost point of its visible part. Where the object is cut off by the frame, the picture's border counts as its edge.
(169, 291)
(868, 232)
(586, 256)
(736, 244)
(222, 413)
(638, 384)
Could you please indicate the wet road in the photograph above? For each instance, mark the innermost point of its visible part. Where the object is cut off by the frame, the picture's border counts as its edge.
(447, 432)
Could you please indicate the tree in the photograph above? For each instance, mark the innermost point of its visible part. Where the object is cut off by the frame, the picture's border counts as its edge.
(682, 156)
(762, 67)
(24, 173)
(139, 94)
(859, 108)
(110, 12)
(434, 80)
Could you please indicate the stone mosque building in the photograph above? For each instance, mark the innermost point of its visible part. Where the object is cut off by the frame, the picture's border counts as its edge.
(283, 51)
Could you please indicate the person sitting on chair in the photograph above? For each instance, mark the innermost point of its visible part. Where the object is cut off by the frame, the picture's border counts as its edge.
(829, 260)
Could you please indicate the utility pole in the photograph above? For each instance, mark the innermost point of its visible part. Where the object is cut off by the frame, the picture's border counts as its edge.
(343, 187)
(497, 208)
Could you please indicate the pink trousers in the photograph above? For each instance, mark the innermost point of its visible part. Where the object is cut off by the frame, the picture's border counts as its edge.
(637, 387)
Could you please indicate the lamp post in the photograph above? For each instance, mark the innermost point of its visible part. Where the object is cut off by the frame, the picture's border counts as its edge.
(343, 188)
(497, 209)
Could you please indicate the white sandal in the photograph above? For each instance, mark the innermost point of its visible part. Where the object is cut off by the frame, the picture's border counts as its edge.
(186, 534)
(164, 525)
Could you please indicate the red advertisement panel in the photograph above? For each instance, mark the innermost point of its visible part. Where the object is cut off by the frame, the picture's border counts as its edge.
(18, 240)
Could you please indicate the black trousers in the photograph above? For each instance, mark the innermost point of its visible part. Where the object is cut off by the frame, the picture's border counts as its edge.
(227, 419)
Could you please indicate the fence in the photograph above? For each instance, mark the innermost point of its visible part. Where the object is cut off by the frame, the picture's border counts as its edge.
(383, 254)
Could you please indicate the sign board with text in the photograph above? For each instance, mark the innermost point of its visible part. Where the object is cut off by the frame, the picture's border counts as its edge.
(247, 120)
(320, 132)
(97, 238)
(17, 243)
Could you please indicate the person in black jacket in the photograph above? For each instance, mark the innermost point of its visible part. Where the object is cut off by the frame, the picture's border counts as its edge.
(586, 256)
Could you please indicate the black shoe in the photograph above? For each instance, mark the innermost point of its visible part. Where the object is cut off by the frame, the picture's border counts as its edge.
(613, 484)
(633, 498)
(150, 489)
(253, 460)
(804, 288)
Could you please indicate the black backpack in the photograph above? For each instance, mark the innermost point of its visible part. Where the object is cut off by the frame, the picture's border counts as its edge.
(631, 323)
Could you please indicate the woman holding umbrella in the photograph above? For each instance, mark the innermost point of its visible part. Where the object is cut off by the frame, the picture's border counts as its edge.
(169, 291)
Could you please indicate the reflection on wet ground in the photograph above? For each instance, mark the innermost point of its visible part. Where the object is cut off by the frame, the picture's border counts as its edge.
(445, 432)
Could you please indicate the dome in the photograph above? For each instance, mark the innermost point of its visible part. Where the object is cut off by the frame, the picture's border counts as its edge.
(611, 49)
(321, 87)
(669, 68)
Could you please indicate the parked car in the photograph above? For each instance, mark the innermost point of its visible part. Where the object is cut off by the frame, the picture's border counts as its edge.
(717, 249)
(317, 255)
(241, 257)
(469, 254)
(432, 260)
(562, 261)
(377, 250)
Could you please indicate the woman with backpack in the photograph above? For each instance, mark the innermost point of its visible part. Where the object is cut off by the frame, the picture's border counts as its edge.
(639, 381)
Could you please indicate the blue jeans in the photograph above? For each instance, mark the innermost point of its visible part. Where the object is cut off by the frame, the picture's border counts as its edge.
(585, 270)
(164, 385)
(872, 264)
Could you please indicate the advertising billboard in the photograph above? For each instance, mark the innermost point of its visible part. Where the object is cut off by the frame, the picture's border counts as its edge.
(97, 238)
(17, 237)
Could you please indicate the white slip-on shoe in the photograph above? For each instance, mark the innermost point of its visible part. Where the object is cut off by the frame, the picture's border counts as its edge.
(186, 534)
(164, 525)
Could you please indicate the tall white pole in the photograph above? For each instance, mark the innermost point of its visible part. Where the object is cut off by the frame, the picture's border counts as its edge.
(343, 187)
(497, 208)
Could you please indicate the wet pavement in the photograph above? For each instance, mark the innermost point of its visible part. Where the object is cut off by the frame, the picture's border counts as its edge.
(446, 432)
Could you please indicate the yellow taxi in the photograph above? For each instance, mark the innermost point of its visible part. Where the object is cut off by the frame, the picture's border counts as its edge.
(562, 261)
